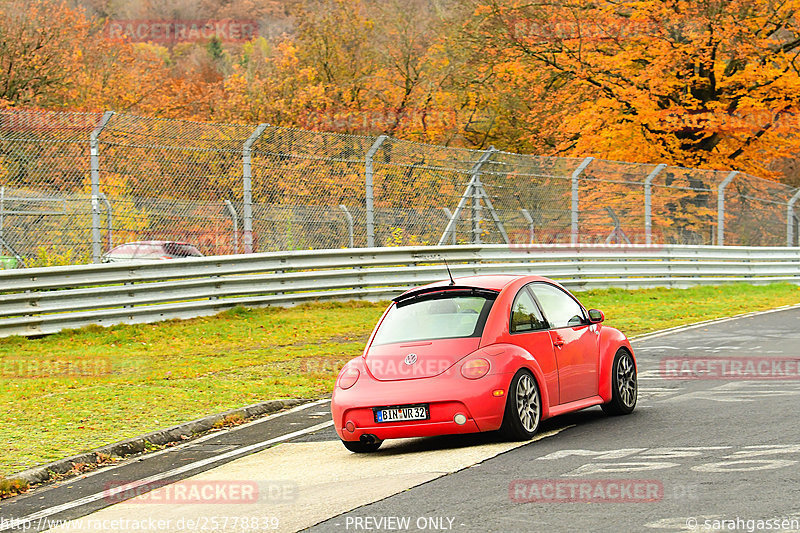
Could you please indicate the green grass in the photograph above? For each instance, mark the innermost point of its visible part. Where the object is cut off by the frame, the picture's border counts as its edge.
(80, 389)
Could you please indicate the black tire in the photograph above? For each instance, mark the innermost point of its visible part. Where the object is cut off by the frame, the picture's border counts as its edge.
(356, 446)
(624, 385)
(523, 411)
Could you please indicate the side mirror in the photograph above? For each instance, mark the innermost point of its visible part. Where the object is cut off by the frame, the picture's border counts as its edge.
(596, 316)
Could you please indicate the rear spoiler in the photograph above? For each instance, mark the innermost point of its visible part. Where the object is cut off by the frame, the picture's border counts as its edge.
(460, 289)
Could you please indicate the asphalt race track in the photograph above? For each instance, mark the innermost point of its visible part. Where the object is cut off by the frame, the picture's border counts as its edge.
(711, 451)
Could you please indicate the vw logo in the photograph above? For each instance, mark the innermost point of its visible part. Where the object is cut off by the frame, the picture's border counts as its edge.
(411, 359)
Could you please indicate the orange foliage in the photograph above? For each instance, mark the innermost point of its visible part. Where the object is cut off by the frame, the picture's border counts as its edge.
(701, 84)
(709, 83)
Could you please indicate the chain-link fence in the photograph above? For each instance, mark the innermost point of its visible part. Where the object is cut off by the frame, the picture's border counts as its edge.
(73, 186)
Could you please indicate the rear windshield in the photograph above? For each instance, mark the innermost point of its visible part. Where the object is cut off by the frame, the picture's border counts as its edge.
(435, 316)
(181, 250)
(147, 250)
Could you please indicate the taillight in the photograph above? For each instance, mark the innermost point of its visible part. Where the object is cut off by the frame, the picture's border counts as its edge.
(475, 368)
(348, 377)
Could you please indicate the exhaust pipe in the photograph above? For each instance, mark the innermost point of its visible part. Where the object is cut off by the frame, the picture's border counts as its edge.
(369, 439)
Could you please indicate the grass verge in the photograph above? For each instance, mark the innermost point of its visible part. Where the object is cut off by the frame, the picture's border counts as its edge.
(80, 389)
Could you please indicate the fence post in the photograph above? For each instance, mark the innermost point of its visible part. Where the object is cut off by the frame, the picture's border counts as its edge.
(721, 207)
(2, 214)
(575, 175)
(247, 187)
(790, 219)
(369, 190)
(349, 221)
(109, 226)
(94, 161)
(648, 209)
(235, 219)
(471, 191)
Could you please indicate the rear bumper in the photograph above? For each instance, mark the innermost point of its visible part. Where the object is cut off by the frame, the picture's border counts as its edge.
(447, 395)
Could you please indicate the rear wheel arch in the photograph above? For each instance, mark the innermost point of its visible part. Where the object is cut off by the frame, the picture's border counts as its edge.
(518, 359)
(611, 341)
(624, 384)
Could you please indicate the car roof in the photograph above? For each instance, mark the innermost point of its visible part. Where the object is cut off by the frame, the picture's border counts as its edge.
(154, 242)
(149, 243)
(495, 282)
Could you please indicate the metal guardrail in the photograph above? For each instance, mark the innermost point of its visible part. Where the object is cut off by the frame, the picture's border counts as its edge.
(46, 300)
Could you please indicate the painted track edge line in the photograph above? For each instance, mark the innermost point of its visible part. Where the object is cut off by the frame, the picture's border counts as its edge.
(199, 440)
(678, 329)
(135, 446)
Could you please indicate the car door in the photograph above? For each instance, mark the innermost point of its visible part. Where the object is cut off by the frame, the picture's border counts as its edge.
(528, 329)
(575, 342)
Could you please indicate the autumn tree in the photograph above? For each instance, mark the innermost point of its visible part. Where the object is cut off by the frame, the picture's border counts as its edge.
(709, 83)
(358, 67)
(696, 83)
(39, 50)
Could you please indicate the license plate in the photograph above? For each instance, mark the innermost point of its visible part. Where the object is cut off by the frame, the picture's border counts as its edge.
(401, 413)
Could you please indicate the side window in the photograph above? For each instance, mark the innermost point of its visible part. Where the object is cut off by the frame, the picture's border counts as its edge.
(525, 315)
(559, 307)
(125, 249)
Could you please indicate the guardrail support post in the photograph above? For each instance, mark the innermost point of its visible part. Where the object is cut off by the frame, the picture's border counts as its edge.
(369, 191)
(235, 219)
(648, 208)
(349, 221)
(575, 175)
(790, 219)
(721, 207)
(472, 191)
(94, 158)
(247, 187)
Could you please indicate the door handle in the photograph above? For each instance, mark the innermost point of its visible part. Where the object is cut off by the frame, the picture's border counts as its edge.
(559, 343)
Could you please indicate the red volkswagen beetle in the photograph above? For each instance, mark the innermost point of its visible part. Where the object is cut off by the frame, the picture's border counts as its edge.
(481, 353)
